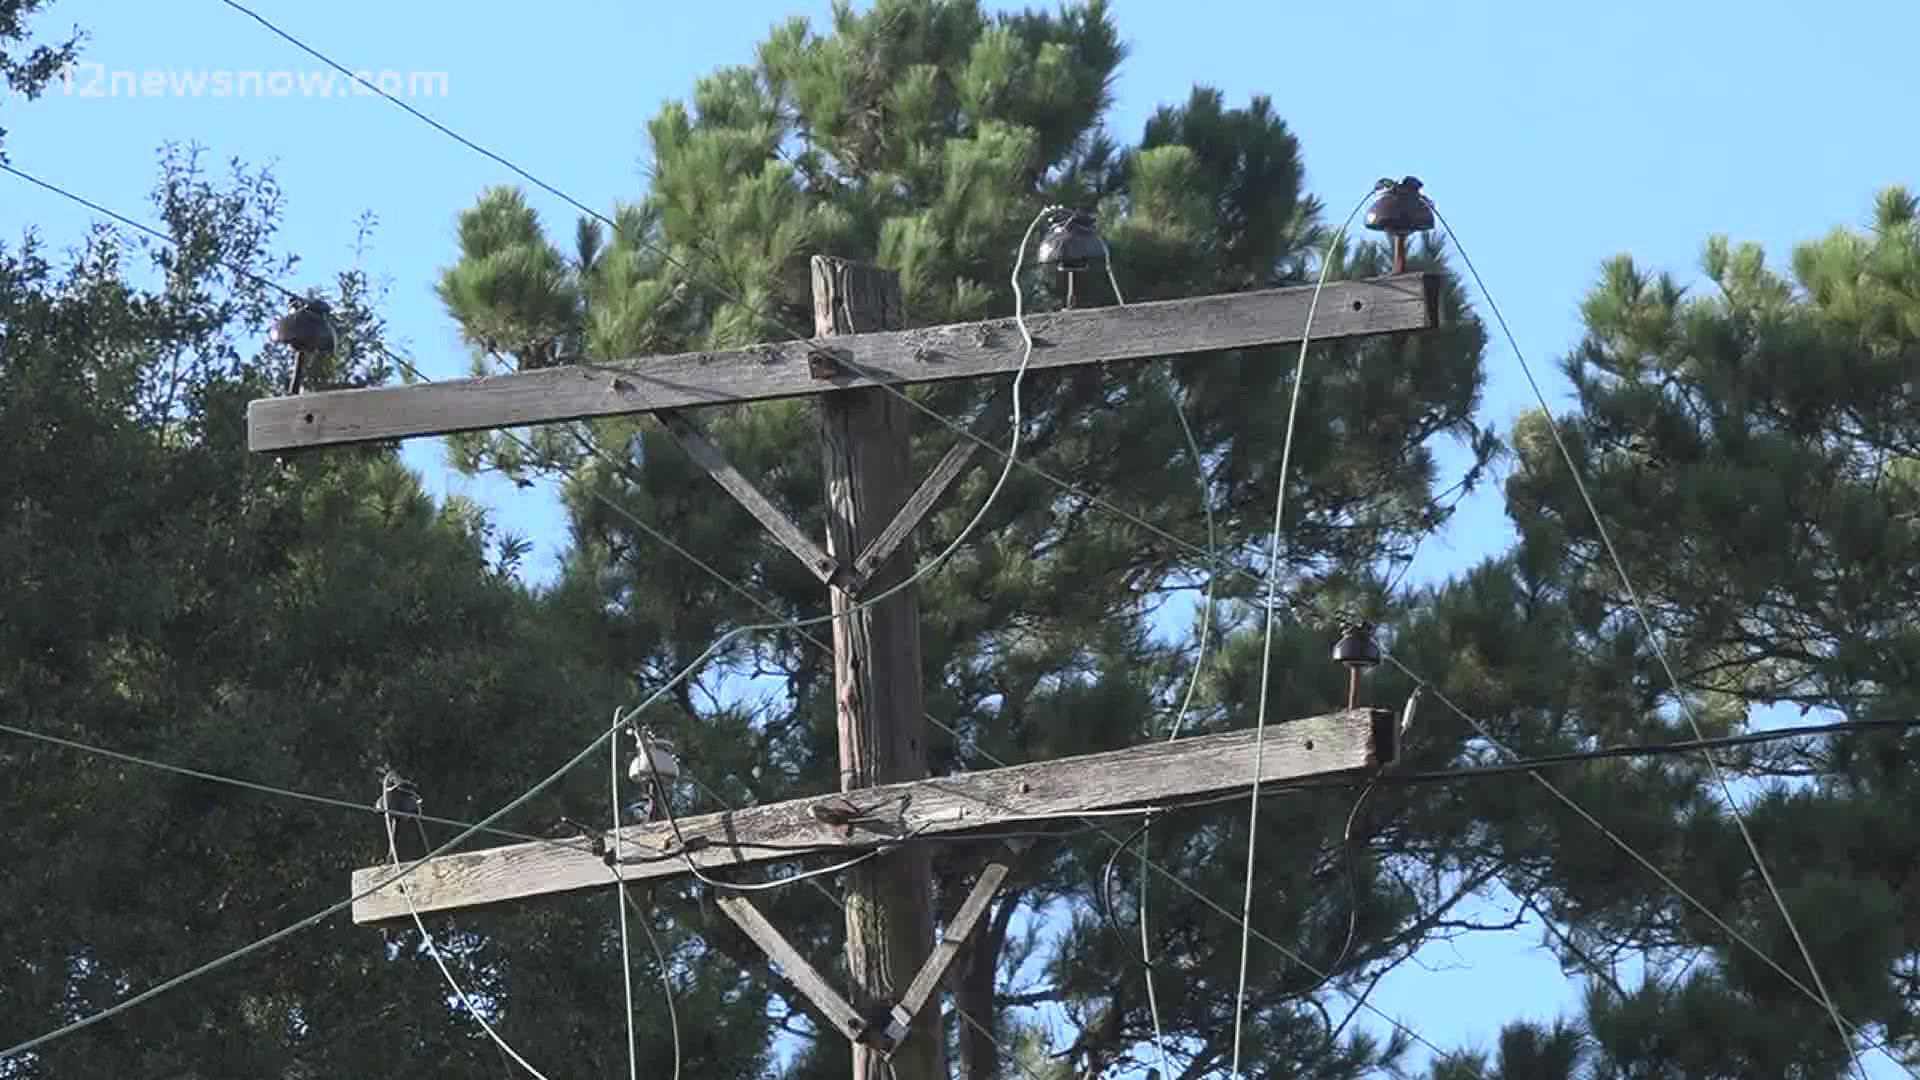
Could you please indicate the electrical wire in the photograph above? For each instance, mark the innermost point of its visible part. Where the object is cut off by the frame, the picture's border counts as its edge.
(666, 974)
(1628, 849)
(264, 789)
(433, 950)
(1266, 648)
(1653, 639)
(1146, 948)
(620, 906)
(1186, 702)
(333, 909)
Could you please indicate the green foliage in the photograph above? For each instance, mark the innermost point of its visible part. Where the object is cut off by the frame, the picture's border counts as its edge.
(27, 72)
(924, 136)
(1750, 447)
(294, 622)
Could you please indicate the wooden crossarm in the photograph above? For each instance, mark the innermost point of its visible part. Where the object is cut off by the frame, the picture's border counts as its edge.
(1165, 328)
(1320, 747)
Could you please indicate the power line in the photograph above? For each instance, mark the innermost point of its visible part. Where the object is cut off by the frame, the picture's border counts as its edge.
(264, 789)
(1266, 642)
(1653, 639)
(1614, 838)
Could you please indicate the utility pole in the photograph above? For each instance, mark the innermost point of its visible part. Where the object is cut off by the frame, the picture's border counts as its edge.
(880, 706)
(892, 1016)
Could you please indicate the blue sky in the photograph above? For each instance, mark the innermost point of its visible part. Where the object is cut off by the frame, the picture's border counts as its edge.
(1552, 136)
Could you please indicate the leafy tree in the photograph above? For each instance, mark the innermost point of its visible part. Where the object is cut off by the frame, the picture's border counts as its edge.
(924, 137)
(27, 71)
(296, 622)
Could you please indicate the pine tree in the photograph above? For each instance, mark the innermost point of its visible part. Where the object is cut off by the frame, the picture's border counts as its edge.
(924, 136)
(1754, 450)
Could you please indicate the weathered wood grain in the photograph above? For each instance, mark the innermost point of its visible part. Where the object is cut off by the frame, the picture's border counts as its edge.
(921, 990)
(783, 369)
(804, 976)
(1158, 772)
(783, 528)
(948, 469)
(866, 443)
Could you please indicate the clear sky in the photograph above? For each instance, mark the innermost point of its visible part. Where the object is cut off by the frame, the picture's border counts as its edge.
(1552, 135)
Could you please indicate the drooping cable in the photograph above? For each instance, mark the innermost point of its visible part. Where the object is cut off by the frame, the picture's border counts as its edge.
(1266, 649)
(666, 973)
(620, 905)
(1712, 916)
(1141, 833)
(329, 911)
(264, 789)
(388, 787)
(1653, 639)
(1146, 949)
(1186, 701)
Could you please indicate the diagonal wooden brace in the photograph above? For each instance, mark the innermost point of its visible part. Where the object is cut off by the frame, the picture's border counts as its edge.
(927, 981)
(804, 976)
(957, 458)
(708, 456)
(835, 1008)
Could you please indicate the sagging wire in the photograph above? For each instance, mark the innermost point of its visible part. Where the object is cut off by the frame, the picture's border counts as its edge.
(1266, 649)
(1146, 941)
(666, 974)
(1353, 918)
(331, 910)
(1653, 639)
(393, 788)
(1186, 702)
(264, 789)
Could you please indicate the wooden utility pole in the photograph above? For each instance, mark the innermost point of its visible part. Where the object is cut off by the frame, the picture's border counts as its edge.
(879, 703)
(885, 799)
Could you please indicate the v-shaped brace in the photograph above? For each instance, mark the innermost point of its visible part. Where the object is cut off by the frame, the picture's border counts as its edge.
(832, 1004)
